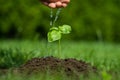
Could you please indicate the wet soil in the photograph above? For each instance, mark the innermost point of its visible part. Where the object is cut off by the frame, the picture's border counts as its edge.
(69, 66)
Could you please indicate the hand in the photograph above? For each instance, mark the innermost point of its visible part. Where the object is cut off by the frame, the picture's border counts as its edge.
(55, 3)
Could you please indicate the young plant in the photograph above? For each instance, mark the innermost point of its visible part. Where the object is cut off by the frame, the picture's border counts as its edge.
(55, 33)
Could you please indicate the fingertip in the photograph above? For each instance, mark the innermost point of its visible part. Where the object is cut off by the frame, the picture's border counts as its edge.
(65, 1)
(52, 5)
(58, 4)
(64, 5)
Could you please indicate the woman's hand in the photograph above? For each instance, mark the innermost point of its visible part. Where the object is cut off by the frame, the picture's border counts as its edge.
(55, 3)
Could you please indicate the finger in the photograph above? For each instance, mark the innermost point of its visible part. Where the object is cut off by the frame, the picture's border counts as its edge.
(64, 5)
(52, 5)
(58, 4)
(65, 1)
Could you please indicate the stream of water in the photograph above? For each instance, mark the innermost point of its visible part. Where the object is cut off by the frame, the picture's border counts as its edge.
(54, 19)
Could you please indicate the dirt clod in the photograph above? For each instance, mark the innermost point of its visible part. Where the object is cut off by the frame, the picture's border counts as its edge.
(69, 66)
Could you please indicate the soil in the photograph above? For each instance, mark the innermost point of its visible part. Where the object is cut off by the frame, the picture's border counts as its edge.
(69, 66)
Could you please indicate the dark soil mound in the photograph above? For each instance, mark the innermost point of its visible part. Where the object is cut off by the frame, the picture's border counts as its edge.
(69, 66)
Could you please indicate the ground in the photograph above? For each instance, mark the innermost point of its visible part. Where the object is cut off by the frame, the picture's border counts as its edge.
(76, 58)
(69, 66)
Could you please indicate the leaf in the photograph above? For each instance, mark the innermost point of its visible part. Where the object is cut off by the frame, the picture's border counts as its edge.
(65, 29)
(54, 35)
(53, 28)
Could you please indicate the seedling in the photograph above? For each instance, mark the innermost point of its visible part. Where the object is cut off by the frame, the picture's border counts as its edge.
(55, 34)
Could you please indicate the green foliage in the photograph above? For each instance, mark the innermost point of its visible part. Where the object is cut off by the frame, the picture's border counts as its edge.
(12, 58)
(23, 16)
(106, 76)
(91, 19)
(56, 33)
(65, 29)
(104, 56)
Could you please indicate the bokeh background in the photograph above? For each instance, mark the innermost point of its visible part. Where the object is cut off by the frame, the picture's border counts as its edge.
(91, 20)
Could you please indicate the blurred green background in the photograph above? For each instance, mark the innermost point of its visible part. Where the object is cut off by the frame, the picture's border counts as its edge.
(92, 20)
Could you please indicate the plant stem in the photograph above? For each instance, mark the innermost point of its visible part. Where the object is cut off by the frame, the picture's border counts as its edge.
(59, 48)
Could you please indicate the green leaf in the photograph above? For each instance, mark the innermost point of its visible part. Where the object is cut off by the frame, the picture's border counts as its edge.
(65, 29)
(54, 35)
(53, 28)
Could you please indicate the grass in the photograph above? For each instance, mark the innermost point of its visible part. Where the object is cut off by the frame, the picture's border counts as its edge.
(105, 56)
